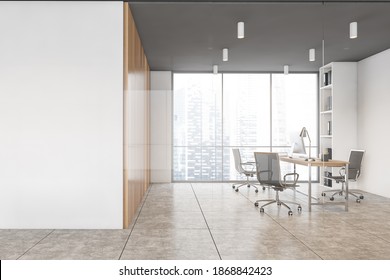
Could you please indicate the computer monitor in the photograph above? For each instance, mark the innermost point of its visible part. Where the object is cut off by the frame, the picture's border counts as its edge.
(297, 146)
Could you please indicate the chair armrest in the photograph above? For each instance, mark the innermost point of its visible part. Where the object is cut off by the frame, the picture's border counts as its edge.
(350, 171)
(342, 171)
(248, 164)
(296, 176)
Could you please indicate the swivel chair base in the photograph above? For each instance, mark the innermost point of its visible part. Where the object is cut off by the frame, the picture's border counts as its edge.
(248, 184)
(278, 202)
(341, 192)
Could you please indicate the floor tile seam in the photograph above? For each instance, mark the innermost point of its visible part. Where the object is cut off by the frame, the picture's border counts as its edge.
(296, 238)
(36, 244)
(303, 243)
(366, 231)
(135, 222)
(208, 228)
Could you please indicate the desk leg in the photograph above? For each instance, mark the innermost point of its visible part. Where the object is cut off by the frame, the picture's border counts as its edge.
(346, 186)
(309, 183)
(295, 189)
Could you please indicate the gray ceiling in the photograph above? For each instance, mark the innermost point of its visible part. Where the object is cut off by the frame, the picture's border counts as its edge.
(190, 36)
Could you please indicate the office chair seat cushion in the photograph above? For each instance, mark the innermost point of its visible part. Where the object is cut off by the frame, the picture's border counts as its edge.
(278, 188)
(338, 179)
(291, 185)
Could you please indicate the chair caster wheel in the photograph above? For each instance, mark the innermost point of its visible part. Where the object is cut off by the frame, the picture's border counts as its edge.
(261, 210)
(331, 198)
(299, 209)
(361, 197)
(323, 194)
(256, 191)
(256, 204)
(236, 190)
(248, 186)
(233, 187)
(279, 203)
(358, 200)
(340, 193)
(290, 213)
(263, 188)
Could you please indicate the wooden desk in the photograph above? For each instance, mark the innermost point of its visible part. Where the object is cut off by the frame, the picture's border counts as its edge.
(319, 163)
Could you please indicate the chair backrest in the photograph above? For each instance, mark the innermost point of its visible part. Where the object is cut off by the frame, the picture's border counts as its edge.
(268, 169)
(237, 160)
(355, 164)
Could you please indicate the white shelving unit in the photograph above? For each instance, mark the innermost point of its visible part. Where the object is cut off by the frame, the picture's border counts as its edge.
(338, 110)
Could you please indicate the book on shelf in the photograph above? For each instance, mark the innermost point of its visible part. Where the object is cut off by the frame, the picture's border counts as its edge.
(329, 128)
(329, 152)
(329, 103)
(327, 181)
(327, 78)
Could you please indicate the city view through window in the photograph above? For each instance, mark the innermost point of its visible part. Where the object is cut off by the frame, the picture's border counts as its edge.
(253, 112)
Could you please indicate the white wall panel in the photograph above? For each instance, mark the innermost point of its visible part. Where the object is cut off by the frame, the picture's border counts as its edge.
(373, 117)
(61, 122)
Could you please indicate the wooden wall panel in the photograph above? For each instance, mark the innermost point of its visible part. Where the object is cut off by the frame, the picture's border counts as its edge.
(136, 120)
(125, 116)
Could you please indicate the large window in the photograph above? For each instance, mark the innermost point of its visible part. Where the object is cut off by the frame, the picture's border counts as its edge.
(197, 133)
(253, 112)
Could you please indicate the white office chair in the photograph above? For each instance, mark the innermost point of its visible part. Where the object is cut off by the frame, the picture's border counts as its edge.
(245, 168)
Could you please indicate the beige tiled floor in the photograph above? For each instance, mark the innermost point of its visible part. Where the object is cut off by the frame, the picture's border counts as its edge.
(211, 221)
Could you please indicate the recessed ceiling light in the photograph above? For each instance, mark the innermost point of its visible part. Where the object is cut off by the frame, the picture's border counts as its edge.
(353, 30)
(225, 54)
(285, 69)
(240, 30)
(215, 69)
(312, 55)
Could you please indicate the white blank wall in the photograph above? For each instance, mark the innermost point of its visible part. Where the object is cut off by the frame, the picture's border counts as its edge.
(373, 117)
(61, 87)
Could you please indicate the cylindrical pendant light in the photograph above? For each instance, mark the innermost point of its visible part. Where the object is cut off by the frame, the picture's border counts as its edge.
(285, 69)
(312, 54)
(225, 54)
(215, 69)
(353, 30)
(240, 30)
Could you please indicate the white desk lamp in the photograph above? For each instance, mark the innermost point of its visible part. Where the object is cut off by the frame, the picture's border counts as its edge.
(304, 133)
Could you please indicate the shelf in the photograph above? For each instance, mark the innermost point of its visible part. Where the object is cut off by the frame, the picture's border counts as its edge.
(327, 67)
(336, 117)
(327, 87)
(330, 178)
